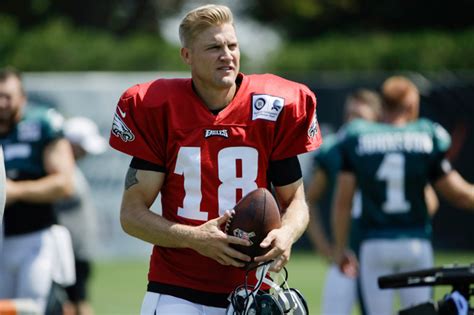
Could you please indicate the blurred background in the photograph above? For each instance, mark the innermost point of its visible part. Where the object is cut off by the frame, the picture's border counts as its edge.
(286, 36)
(79, 56)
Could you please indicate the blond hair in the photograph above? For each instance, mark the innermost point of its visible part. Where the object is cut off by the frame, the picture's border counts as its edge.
(367, 97)
(395, 90)
(201, 18)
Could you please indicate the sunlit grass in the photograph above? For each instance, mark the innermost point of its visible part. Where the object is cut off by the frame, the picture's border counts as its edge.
(117, 287)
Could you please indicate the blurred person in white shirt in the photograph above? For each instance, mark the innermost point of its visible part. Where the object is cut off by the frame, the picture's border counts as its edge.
(78, 213)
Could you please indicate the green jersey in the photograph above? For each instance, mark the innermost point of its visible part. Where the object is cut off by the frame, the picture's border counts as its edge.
(23, 147)
(392, 165)
(328, 159)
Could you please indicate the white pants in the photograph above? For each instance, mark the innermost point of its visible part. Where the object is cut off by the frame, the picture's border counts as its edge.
(387, 256)
(161, 304)
(29, 263)
(340, 293)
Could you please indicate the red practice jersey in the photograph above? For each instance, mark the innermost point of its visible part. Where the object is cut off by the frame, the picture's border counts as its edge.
(211, 161)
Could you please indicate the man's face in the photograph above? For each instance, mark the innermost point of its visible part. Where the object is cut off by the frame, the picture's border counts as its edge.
(214, 57)
(12, 101)
(356, 109)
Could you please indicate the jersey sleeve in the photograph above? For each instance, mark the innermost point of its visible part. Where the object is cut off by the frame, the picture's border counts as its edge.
(285, 172)
(320, 161)
(138, 130)
(346, 163)
(53, 123)
(440, 165)
(344, 146)
(298, 128)
(441, 138)
(324, 158)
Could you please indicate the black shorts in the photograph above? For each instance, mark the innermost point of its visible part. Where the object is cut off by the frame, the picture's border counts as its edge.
(78, 291)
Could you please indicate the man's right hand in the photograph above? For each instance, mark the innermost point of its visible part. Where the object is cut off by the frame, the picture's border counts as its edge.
(347, 263)
(212, 242)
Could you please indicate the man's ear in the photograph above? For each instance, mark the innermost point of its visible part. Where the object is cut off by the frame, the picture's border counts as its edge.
(186, 55)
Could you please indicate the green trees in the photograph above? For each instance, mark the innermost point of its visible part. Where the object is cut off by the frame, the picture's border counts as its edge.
(425, 35)
(58, 46)
(417, 51)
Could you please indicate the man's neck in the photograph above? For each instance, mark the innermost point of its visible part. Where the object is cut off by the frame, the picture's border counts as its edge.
(213, 98)
(395, 119)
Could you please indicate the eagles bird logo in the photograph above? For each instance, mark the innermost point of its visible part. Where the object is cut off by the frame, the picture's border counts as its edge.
(119, 129)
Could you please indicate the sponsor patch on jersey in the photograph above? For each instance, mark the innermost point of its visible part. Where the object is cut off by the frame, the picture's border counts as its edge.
(120, 129)
(29, 131)
(266, 107)
(216, 132)
(313, 128)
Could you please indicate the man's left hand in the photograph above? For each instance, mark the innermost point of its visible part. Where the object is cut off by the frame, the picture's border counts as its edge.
(280, 242)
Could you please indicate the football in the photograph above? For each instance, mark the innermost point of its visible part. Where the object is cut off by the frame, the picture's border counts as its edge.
(256, 214)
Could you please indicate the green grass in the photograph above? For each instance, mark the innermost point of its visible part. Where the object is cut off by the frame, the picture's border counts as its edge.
(117, 287)
(307, 273)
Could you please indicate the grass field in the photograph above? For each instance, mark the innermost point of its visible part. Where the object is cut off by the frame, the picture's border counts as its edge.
(118, 287)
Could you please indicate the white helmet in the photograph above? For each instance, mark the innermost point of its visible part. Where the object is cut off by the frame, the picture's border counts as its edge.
(279, 299)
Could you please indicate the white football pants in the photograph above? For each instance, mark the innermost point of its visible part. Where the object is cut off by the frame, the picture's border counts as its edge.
(380, 257)
(30, 262)
(155, 303)
(340, 293)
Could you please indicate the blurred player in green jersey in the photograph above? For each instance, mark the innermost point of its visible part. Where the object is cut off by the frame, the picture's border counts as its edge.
(391, 163)
(339, 293)
(39, 167)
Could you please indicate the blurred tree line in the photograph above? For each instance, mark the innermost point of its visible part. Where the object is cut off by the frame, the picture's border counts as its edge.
(119, 17)
(301, 19)
(318, 34)
(304, 19)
